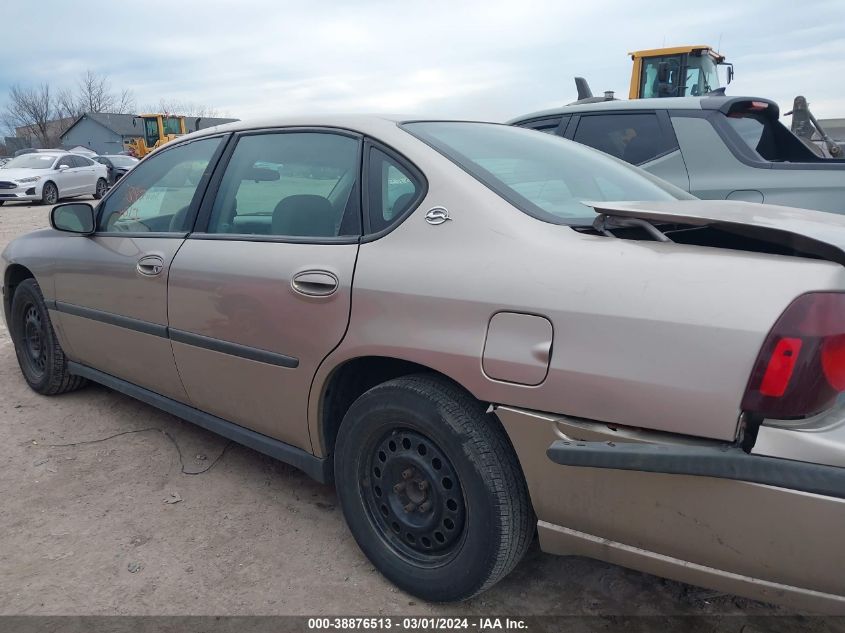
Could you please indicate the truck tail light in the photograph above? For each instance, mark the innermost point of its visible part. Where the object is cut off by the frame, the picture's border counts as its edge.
(801, 367)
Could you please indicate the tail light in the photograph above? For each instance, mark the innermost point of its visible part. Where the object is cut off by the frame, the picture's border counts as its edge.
(801, 367)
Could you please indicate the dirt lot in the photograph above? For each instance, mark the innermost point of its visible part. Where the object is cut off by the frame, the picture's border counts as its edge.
(89, 526)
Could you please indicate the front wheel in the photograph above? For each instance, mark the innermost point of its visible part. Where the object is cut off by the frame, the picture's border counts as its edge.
(100, 189)
(40, 356)
(50, 194)
(431, 488)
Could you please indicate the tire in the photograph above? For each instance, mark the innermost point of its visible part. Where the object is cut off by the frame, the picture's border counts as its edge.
(49, 194)
(420, 440)
(40, 356)
(1, 202)
(100, 188)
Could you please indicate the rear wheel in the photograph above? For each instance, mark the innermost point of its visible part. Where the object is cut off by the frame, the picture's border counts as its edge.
(431, 488)
(40, 356)
(100, 189)
(50, 193)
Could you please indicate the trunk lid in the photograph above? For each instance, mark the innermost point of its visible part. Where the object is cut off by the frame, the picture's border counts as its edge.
(805, 232)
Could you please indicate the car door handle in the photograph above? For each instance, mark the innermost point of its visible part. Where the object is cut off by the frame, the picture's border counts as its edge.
(150, 265)
(315, 283)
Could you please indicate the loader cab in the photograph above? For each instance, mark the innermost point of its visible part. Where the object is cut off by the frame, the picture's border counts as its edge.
(688, 71)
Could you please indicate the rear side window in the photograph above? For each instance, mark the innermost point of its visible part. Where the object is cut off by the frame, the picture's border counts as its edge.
(294, 184)
(635, 138)
(391, 190)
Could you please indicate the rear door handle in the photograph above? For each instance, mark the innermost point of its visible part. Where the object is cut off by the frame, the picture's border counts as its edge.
(150, 265)
(315, 283)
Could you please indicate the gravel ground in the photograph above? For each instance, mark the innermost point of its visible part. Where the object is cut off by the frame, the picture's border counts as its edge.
(99, 518)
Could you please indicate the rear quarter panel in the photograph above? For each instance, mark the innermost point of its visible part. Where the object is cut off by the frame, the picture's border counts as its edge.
(715, 173)
(660, 336)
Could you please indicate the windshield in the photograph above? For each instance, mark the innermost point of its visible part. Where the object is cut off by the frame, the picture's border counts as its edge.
(122, 161)
(32, 161)
(542, 175)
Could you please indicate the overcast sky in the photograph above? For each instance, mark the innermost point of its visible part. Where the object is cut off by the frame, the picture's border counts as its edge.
(489, 59)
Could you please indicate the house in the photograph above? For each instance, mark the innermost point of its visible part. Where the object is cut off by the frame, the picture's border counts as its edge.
(105, 133)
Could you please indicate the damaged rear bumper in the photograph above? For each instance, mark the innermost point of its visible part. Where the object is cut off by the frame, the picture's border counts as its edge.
(669, 505)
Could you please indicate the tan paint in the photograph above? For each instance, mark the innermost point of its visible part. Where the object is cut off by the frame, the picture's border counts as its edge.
(246, 392)
(133, 356)
(558, 540)
(240, 292)
(760, 532)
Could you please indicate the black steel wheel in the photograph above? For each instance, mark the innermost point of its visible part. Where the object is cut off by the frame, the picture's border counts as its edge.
(414, 497)
(34, 337)
(40, 357)
(431, 488)
(101, 188)
(50, 193)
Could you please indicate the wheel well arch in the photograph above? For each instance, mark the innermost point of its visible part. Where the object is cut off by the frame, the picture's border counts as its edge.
(15, 274)
(352, 379)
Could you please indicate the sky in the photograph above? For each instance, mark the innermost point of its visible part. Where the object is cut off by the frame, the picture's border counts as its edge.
(482, 60)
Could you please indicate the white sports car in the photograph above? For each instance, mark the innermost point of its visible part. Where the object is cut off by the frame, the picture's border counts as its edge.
(48, 176)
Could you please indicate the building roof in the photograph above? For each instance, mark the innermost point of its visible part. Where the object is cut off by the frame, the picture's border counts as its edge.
(127, 125)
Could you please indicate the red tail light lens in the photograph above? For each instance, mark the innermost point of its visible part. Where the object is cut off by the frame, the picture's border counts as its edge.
(801, 367)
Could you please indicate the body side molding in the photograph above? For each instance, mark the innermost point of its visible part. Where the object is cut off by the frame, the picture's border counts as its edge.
(724, 463)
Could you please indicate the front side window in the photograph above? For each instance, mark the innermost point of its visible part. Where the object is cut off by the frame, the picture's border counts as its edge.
(549, 126)
(65, 161)
(294, 184)
(157, 195)
(635, 138)
(544, 176)
(392, 190)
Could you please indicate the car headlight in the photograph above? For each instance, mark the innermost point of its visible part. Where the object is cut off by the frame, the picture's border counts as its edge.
(30, 179)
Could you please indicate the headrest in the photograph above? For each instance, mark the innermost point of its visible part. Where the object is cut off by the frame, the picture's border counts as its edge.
(304, 215)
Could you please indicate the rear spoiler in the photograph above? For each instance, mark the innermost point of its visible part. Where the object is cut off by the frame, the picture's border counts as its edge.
(815, 233)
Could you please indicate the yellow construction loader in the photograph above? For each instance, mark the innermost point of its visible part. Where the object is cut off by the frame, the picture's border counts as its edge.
(157, 129)
(679, 71)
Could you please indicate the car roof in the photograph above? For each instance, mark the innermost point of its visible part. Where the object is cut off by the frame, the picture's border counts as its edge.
(363, 123)
(668, 103)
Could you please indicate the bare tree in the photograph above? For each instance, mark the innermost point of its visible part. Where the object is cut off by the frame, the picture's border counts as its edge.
(33, 109)
(45, 114)
(93, 93)
(183, 108)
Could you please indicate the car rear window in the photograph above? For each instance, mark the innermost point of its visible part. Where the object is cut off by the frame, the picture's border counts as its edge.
(542, 175)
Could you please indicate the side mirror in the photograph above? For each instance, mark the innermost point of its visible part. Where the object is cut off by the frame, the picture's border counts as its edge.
(62, 167)
(73, 217)
(730, 73)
